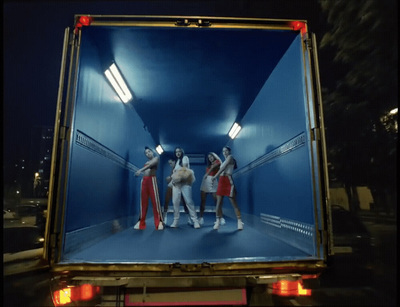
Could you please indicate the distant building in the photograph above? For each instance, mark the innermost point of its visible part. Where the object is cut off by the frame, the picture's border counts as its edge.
(15, 180)
(40, 159)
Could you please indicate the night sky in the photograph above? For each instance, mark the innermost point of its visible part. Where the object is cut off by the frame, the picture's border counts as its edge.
(33, 37)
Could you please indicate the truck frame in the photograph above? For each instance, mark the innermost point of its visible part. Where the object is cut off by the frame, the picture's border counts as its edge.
(282, 182)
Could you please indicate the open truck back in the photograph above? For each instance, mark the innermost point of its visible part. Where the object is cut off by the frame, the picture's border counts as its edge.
(189, 79)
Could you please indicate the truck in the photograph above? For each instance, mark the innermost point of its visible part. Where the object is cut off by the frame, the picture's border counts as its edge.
(162, 82)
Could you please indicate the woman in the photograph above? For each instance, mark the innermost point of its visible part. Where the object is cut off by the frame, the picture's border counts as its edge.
(168, 193)
(226, 187)
(149, 189)
(182, 180)
(209, 186)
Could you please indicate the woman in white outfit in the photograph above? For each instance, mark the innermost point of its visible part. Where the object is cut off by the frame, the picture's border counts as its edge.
(209, 186)
(182, 188)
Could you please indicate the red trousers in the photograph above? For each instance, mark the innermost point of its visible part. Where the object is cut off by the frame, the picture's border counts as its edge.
(149, 189)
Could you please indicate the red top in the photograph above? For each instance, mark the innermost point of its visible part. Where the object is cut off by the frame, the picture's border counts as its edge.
(215, 170)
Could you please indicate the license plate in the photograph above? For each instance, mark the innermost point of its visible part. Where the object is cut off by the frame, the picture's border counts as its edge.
(186, 297)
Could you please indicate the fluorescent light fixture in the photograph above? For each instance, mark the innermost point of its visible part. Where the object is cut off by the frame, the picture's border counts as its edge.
(234, 130)
(113, 75)
(159, 149)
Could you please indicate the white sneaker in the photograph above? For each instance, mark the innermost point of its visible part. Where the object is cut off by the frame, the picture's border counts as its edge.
(137, 226)
(160, 226)
(196, 225)
(240, 224)
(223, 221)
(201, 221)
(190, 222)
(175, 224)
(217, 223)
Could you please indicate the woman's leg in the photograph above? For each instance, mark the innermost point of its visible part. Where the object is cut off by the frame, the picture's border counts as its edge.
(235, 207)
(155, 200)
(218, 207)
(144, 203)
(187, 196)
(219, 210)
(237, 211)
(203, 197)
(168, 196)
(176, 201)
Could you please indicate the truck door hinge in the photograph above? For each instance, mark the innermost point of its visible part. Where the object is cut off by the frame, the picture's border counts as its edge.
(203, 23)
(72, 39)
(54, 239)
(198, 22)
(323, 236)
(63, 132)
(182, 23)
(316, 134)
(308, 43)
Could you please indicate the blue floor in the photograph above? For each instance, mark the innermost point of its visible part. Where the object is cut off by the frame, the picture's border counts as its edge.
(187, 245)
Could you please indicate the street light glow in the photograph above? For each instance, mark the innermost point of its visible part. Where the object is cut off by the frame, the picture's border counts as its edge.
(394, 111)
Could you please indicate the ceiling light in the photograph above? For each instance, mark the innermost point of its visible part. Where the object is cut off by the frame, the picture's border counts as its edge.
(159, 149)
(113, 75)
(234, 130)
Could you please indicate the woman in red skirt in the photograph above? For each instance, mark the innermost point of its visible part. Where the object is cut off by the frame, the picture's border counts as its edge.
(226, 186)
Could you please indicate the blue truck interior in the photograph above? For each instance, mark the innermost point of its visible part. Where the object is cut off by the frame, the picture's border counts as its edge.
(189, 86)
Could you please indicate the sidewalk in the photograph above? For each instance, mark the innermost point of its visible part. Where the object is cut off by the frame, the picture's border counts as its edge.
(383, 229)
(377, 217)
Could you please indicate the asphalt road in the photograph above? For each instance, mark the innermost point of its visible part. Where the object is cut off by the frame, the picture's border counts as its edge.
(343, 286)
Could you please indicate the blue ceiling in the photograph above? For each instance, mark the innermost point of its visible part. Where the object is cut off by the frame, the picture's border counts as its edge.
(191, 84)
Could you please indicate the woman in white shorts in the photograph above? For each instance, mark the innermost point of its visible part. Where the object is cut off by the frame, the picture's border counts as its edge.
(209, 186)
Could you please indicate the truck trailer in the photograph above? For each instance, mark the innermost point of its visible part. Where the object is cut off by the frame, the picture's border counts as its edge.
(162, 82)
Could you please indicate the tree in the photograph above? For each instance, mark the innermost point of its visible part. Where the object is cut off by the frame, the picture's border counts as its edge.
(362, 139)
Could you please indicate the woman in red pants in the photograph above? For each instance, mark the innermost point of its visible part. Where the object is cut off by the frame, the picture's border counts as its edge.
(149, 189)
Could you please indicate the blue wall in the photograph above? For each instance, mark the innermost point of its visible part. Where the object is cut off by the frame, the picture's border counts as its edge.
(101, 182)
(280, 184)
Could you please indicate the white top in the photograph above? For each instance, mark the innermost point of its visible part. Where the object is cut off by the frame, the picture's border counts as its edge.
(185, 162)
(227, 168)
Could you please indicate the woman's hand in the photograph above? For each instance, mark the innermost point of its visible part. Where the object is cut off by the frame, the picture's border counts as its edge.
(138, 173)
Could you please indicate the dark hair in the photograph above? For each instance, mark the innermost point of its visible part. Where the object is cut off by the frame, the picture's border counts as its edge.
(212, 154)
(179, 160)
(146, 147)
(234, 160)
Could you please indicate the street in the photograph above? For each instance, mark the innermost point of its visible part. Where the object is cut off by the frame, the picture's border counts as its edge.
(345, 287)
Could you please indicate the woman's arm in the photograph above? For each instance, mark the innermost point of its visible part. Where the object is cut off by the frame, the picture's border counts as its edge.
(212, 167)
(223, 166)
(185, 161)
(149, 164)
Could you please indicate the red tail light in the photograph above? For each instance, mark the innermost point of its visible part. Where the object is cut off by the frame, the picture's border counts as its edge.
(85, 20)
(68, 295)
(299, 26)
(290, 288)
